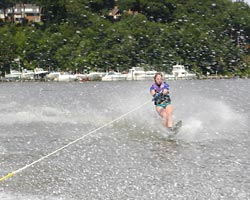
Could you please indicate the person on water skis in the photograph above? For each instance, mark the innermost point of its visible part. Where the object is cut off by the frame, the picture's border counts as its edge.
(160, 92)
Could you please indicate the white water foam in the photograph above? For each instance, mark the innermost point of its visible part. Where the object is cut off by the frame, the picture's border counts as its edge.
(31, 114)
(211, 121)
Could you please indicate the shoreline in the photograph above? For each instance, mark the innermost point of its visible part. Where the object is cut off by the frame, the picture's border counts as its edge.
(6, 80)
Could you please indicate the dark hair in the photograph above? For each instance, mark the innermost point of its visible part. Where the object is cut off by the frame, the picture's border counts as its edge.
(158, 73)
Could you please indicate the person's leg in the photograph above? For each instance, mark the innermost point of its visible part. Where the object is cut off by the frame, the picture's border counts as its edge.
(169, 114)
(162, 112)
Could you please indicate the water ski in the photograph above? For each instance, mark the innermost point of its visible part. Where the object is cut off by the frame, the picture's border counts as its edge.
(175, 129)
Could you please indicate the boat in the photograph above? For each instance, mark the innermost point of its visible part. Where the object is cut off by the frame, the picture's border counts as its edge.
(81, 77)
(150, 74)
(27, 74)
(179, 72)
(40, 72)
(138, 73)
(114, 76)
(61, 76)
(13, 75)
(95, 76)
(66, 77)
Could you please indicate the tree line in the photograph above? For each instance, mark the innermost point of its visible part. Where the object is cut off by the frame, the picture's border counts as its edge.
(80, 36)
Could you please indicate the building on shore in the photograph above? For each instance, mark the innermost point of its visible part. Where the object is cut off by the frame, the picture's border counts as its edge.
(20, 13)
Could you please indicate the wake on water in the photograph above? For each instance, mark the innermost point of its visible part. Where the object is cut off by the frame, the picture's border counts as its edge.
(202, 120)
(207, 119)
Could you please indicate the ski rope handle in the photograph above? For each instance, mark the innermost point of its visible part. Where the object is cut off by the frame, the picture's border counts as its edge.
(157, 95)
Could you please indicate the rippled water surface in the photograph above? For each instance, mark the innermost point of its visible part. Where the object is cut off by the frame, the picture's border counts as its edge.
(129, 158)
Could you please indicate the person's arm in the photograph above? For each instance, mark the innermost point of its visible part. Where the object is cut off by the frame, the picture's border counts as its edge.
(153, 92)
(165, 91)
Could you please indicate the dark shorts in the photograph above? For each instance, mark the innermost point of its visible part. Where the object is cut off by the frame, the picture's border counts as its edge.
(163, 105)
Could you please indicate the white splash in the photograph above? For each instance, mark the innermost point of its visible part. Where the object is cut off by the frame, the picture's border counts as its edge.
(212, 120)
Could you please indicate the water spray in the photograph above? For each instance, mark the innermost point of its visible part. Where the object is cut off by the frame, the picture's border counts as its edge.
(82, 137)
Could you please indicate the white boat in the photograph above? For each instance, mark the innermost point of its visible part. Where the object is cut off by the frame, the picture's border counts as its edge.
(40, 72)
(61, 76)
(138, 73)
(13, 75)
(52, 76)
(81, 77)
(179, 72)
(95, 76)
(150, 74)
(114, 76)
(27, 74)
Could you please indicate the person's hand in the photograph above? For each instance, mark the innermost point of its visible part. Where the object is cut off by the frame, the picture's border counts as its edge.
(157, 95)
(165, 91)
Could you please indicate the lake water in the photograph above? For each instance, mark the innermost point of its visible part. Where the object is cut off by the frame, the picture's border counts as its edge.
(129, 158)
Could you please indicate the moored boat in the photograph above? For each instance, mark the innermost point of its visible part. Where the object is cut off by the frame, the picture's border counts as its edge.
(114, 76)
(179, 72)
(138, 73)
(61, 76)
(13, 75)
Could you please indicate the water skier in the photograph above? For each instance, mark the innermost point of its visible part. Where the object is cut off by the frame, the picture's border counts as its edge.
(160, 92)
